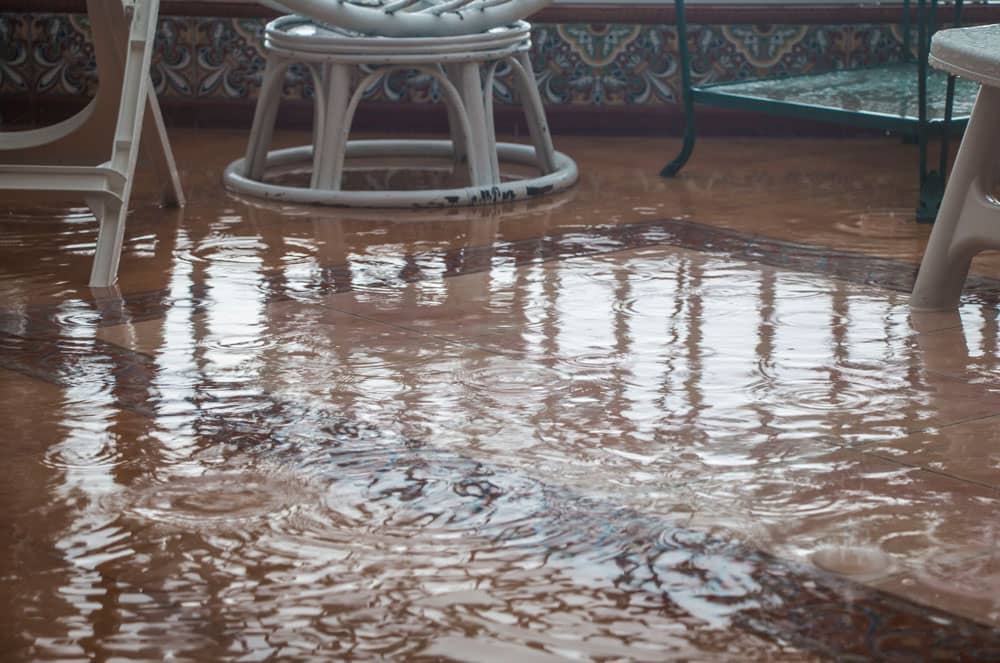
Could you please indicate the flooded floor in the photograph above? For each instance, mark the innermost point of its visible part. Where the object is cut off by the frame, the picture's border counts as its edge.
(646, 419)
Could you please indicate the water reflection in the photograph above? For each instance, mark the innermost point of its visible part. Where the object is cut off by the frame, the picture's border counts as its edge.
(303, 441)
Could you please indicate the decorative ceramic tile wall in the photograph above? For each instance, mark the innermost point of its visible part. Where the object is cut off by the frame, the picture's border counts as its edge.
(576, 64)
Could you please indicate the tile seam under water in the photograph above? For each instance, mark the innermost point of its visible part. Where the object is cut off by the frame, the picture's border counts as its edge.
(805, 592)
(929, 470)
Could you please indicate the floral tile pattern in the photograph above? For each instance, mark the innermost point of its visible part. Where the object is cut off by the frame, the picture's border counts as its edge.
(174, 57)
(13, 54)
(62, 56)
(575, 63)
(228, 59)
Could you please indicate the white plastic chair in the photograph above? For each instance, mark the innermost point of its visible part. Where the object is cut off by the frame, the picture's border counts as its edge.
(969, 219)
(94, 153)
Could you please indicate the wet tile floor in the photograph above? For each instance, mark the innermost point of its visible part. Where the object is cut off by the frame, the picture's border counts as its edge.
(648, 419)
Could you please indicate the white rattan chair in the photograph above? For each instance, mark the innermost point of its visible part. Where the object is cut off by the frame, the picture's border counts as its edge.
(452, 41)
(94, 153)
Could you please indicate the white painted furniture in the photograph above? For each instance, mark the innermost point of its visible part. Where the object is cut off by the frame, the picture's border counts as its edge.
(94, 153)
(457, 61)
(969, 219)
(412, 18)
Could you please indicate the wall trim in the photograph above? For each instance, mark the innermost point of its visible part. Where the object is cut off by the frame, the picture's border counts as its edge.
(705, 13)
(21, 111)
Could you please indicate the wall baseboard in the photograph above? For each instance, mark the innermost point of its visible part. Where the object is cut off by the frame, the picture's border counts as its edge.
(20, 111)
(764, 13)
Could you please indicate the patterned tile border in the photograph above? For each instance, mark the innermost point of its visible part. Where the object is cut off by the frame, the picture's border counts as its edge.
(565, 12)
(577, 64)
(785, 601)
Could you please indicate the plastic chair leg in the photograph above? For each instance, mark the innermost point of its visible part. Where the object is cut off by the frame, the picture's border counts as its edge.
(156, 150)
(111, 214)
(969, 220)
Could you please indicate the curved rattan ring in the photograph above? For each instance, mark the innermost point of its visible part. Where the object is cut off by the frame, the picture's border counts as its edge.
(563, 177)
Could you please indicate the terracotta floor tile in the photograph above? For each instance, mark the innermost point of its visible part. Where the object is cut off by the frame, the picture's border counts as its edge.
(146, 337)
(968, 353)
(902, 518)
(969, 451)
(19, 395)
(963, 583)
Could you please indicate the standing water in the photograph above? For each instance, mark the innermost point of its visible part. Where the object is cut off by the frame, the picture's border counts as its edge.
(301, 437)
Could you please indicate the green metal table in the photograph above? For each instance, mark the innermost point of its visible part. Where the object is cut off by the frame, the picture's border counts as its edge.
(907, 98)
